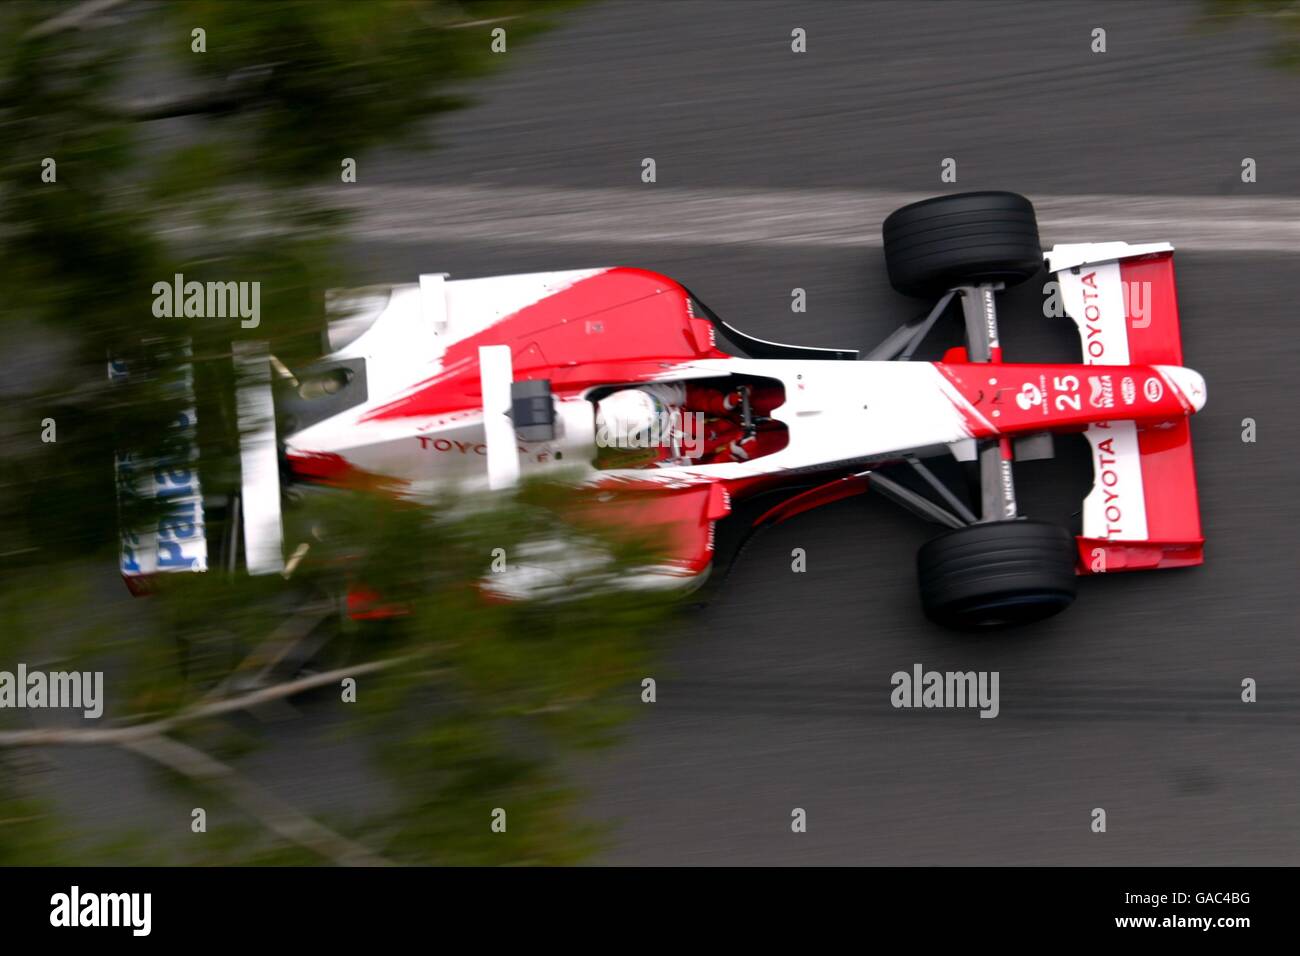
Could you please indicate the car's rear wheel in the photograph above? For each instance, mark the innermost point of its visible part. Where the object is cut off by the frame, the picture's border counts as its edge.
(997, 574)
(964, 239)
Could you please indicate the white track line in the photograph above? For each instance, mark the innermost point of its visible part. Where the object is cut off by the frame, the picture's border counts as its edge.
(794, 217)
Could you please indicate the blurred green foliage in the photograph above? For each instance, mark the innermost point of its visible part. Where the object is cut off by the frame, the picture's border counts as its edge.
(490, 697)
(1280, 17)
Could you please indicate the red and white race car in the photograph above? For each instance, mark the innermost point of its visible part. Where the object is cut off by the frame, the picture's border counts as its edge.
(623, 382)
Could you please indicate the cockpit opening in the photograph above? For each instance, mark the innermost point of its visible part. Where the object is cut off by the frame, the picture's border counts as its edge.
(697, 422)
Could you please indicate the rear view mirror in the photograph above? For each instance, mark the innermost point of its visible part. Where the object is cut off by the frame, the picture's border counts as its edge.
(532, 410)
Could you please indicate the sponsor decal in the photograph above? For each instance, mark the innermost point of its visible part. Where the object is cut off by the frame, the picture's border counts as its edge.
(1153, 389)
(443, 420)
(1116, 506)
(990, 318)
(1008, 491)
(1094, 345)
(175, 481)
(1029, 397)
(1103, 393)
(1128, 390)
(178, 543)
(452, 444)
(1109, 479)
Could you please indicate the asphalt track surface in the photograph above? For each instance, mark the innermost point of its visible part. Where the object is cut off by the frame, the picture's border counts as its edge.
(776, 696)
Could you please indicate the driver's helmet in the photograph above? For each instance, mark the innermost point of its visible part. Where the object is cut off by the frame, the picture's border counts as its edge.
(626, 418)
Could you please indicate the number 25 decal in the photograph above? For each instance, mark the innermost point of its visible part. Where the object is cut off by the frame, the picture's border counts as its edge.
(1062, 384)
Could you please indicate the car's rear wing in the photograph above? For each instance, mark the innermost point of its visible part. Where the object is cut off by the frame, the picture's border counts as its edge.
(178, 542)
(1143, 510)
(251, 518)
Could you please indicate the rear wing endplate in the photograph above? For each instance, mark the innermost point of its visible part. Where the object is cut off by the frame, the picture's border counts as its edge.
(259, 460)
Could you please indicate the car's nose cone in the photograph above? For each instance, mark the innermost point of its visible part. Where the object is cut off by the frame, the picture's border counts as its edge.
(1190, 384)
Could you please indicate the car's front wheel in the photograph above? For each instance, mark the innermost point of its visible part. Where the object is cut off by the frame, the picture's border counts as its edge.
(997, 574)
(963, 239)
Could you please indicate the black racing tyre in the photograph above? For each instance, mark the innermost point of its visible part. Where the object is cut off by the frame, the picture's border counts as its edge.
(997, 574)
(962, 239)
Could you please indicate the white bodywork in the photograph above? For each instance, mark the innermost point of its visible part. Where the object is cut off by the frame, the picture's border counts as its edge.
(405, 344)
(838, 411)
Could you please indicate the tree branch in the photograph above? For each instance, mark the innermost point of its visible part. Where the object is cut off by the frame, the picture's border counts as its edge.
(74, 17)
(126, 735)
(273, 650)
(276, 815)
(149, 740)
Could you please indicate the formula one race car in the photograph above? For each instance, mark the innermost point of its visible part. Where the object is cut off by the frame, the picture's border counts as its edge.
(664, 414)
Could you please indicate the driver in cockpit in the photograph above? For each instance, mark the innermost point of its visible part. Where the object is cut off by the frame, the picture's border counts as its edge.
(688, 423)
